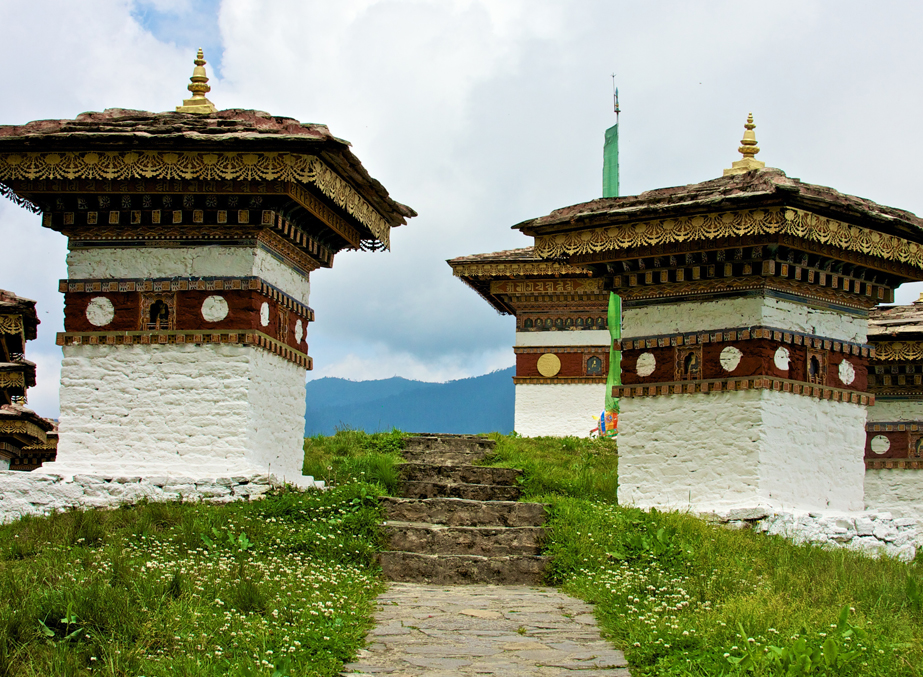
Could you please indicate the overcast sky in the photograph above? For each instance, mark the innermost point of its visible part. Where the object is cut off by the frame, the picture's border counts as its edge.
(478, 114)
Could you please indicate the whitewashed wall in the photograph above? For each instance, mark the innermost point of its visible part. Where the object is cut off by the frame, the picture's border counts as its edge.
(897, 490)
(896, 410)
(576, 337)
(690, 316)
(690, 451)
(557, 409)
(215, 261)
(184, 409)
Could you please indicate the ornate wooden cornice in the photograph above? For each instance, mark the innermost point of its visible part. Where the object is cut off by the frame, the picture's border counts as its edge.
(740, 384)
(251, 338)
(706, 228)
(195, 165)
(490, 269)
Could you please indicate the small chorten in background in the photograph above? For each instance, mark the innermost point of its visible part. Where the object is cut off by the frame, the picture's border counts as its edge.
(894, 432)
(199, 88)
(26, 439)
(748, 149)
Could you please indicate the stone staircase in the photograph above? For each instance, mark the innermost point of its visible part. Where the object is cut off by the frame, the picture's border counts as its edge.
(457, 523)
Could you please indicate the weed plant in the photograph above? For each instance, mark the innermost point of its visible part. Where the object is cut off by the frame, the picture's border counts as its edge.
(278, 587)
(355, 455)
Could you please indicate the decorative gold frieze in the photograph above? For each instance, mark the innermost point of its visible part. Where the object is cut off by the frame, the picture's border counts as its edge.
(11, 324)
(26, 428)
(565, 286)
(745, 223)
(741, 384)
(12, 379)
(893, 464)
(557, 380)
(899, 351)
(122, 338)
(527, 269)
(196, 165)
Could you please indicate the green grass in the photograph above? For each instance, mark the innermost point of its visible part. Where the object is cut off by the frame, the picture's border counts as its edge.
(355, 455)
(283, 586)
(289, 582)
(683, 597)
(570, 466)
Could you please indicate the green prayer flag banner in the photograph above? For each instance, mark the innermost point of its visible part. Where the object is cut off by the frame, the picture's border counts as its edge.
(615, 355)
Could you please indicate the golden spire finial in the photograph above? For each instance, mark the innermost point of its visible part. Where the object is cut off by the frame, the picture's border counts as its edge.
(199, 88)
(748, 149)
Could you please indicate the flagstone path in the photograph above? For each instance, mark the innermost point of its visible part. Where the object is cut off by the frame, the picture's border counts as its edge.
(439, 630)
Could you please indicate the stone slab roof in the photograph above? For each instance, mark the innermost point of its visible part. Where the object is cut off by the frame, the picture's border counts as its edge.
(523, 254)
(896, 322)
(760, 188)
(16, 411)
(227, 130)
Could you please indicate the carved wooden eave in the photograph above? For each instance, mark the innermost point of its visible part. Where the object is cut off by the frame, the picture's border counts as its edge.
(755, 232)
(26, 439)
(487, 274)
(226, 152)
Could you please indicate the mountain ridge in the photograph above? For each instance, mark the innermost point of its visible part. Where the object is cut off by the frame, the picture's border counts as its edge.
(471, 405)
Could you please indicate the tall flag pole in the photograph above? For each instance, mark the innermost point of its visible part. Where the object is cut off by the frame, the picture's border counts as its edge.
(609, 421)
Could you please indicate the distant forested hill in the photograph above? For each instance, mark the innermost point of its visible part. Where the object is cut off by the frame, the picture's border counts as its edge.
(472, 405)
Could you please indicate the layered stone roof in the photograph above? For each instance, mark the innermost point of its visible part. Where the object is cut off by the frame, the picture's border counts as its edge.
(512, 263)
(761, 188)
(896, 323)
(478, 271)
(232, 130)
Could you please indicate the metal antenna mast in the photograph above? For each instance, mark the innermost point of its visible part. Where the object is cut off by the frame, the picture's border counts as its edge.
(615, 99)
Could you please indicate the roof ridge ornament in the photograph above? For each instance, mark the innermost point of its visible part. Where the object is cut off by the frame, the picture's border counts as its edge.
(748, 149)
(199, 88)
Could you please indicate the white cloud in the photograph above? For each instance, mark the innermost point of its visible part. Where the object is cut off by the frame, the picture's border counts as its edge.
(479, 114)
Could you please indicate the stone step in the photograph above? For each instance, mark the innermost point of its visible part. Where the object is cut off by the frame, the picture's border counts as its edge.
(411, 567)
(473, 492)
(462, 474)
(459, 512)
(442, 540)
(443, 457)
(447, 449)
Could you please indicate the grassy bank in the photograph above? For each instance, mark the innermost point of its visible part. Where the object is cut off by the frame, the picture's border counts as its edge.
(682, 597)
(283, 586)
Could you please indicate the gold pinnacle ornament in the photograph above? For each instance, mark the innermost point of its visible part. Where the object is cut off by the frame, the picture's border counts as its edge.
(199, 88)
(748, 149)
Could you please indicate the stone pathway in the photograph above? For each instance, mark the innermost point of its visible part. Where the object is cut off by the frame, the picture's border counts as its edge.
(438, 630)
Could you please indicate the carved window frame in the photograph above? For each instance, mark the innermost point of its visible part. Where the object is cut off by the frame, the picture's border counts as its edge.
(149, 299)
(586, 364)
(679, 373)
(820, 378)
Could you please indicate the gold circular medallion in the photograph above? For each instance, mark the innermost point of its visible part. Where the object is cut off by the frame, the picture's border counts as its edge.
(549, 365)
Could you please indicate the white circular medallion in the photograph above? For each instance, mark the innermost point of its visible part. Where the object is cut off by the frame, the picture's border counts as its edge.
(646, 364)
(299, 331)
(730, 358)
(781, 358)
(100, 311)
(214, 308)
(264, 314)
(880, 444)
(847, 372)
